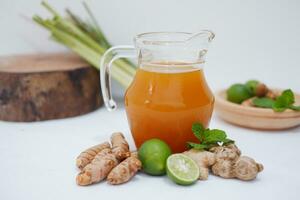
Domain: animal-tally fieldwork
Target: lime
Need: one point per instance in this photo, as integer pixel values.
(251, 85)
(153, 155)
(237, 93)
(182, 169)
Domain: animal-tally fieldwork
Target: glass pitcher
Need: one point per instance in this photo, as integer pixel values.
(169, 92)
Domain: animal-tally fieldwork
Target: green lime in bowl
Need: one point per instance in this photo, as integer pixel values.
(237, 93)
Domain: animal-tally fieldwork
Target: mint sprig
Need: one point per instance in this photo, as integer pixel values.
(263, 102)
(280, 104)
(208, 138)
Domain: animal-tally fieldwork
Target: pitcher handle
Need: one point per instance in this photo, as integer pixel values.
(106, 62)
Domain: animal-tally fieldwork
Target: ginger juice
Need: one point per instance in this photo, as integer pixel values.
(163, 102)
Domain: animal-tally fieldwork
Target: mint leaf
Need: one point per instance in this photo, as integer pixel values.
(288, 96)
(214, 136)
(279, 109)
(296, 108)
(192, 145)
(263, 102)
(284, 101)
(208, 138)
(198, 129)
(228, 141)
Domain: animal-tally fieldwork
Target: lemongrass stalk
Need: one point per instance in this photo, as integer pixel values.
(90, 42)
(81, 42)
(85, 38)
(101, 35)
(90, 55)
(96, 33)
(50, 9)
(125, 80)
(119, 63)
(72, 29)
(87, 53)
(75, 31)
(96, 25)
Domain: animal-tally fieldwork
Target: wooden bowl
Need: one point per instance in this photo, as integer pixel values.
(257, 118)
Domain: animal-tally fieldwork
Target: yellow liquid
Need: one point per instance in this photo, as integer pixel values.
(165, 105)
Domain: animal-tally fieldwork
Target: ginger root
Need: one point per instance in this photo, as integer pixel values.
(204, 160)
(120, 147)
(125, 170)
(230, 164)
(98, 169)
(272, 94)
(89, 154)
(248, 102)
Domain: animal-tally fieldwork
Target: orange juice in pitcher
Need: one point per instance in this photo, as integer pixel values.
(169, 92)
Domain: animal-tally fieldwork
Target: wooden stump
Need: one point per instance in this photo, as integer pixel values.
(47, 86)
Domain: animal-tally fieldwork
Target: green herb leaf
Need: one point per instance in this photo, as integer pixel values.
(296, 108)
(208, 138)
(228, 141)
(192, 145)
(214, 136)
(198, 130)
(284, 101)
(263, 102)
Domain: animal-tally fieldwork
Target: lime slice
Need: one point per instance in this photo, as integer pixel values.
(182, 169)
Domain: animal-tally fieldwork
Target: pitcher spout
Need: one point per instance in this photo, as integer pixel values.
(200, 39)
(204, 35)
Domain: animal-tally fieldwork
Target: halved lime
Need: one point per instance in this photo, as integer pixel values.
(182, 169)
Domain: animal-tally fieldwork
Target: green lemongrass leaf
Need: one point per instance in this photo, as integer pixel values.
(50, 9)
(85, 38)
(89, 29)
(67, 26)
(263, 102)
(96, 26)
(198, 129)
(69, 34)
(214, 136)
(39, 20)
(79, 34)
(90, 55)
(77, 46)
(95, 29)
(93, 19)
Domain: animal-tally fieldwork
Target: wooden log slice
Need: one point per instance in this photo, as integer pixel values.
(47, 86)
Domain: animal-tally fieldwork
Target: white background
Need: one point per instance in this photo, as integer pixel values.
(254, 39)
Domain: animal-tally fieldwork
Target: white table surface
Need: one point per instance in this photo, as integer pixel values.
(254, 39)
(38, 162)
